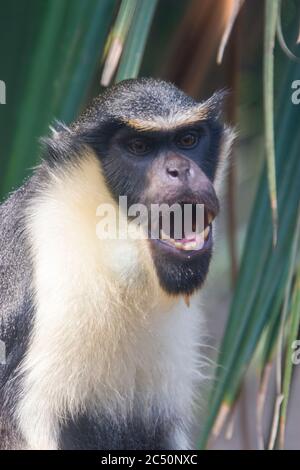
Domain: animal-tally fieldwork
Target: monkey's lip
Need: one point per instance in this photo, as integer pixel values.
(197, 240)
(189, 246)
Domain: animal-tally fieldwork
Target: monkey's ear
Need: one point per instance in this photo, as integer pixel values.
(214, 106)
(61, 145)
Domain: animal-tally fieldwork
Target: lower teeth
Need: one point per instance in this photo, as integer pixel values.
(192, 245)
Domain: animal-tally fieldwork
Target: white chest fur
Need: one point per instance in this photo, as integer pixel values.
(105, 334)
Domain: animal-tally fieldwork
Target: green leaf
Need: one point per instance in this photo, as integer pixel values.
(116, 39)
(271, 17)
(264, 269)
(68, 46)
(134, 49)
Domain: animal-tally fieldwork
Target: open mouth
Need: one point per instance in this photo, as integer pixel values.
(195, 237)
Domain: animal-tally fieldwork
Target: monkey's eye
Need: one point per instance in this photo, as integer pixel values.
(138, 146)
(187, 140)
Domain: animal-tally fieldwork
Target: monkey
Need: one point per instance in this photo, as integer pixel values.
(102, 335)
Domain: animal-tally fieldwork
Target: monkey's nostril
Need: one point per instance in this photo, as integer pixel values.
(173, 172)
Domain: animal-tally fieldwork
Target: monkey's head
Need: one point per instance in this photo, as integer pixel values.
(156, 145)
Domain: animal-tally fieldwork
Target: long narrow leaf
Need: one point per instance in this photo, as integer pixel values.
(293, 334)
(67, 51)
(271, 17)
(135, 45)
(117, 39)
(251, 311)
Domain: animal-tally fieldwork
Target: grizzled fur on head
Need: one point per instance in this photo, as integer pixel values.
(144, 101)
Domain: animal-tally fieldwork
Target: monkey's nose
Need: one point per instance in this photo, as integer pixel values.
(179, 169)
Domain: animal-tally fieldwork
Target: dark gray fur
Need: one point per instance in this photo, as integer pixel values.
(16, 307)
(90, 431)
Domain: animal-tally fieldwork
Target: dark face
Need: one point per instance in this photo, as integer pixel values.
(177, 165)
(165, 168)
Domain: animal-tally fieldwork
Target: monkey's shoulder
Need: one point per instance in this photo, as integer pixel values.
(15, 264)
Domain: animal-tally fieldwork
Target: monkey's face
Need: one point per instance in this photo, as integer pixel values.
(153, 162)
